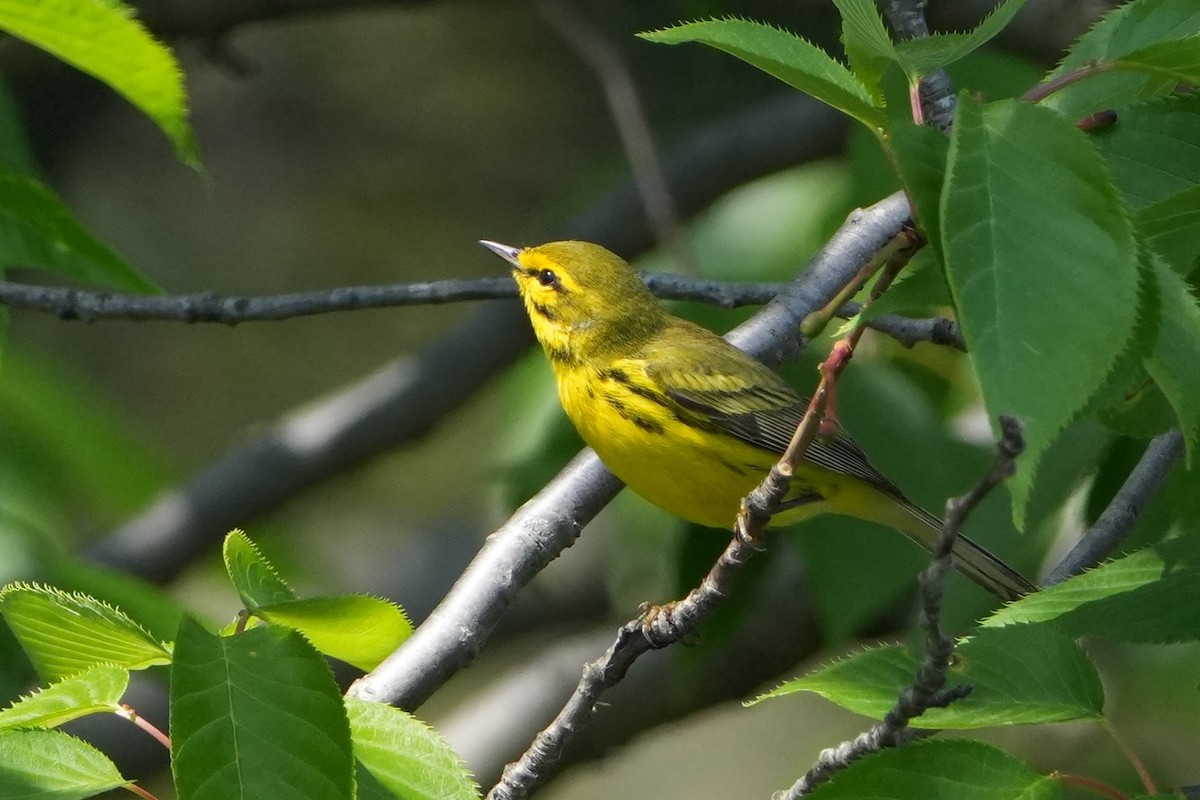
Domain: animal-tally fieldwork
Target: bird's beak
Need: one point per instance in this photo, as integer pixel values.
(509, 254)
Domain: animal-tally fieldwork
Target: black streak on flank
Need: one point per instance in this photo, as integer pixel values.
(561, 355)
(648, 425)
(643, 392)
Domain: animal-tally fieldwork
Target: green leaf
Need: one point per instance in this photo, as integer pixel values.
(939, 769)
(254, 578)
(1129, 403)
(357, 629)
(96, 690)
(924, 55)
(1171, 228)
(1151, 596)
(1177, 59)
(1124, 30)
(786, 56)
(75, 449)
(1035, 674)
(1173, 362)
(102, 38)
(150, 605)
(868, 45)
(37, 230)
(1044, 324)
(256, 715)
(405, 756)
(50, 765)
(1151, 150)
(920, 157)
(64, 634)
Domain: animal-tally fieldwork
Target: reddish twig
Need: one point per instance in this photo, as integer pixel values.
(1099, 787)
(130, 714)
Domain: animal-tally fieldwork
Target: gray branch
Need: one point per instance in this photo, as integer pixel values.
(91, 306)
(907, 18)
(1117, 520)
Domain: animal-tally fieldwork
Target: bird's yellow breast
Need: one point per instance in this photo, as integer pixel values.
(695, 473)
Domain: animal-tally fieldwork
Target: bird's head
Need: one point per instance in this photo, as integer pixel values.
(581, 298)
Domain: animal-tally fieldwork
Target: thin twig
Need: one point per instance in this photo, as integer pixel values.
(1091, 784)
(1117, 520)
(1043, 90)
(93, 306)
(926, 690)
(129, 713)
(621, 95)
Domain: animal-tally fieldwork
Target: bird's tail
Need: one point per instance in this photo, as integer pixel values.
(972, 560)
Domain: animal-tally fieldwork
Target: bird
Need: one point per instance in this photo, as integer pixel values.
(690, 422)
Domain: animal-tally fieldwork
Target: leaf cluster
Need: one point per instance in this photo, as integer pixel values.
(255, 711)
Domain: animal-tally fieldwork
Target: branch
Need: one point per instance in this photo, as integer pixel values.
(926, 690)
(1117, 520)
(538, 532)
(409, 397)
(909, 331)
(935, 94)
(92, 306)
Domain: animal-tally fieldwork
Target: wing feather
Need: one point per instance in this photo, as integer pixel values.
(743, 398)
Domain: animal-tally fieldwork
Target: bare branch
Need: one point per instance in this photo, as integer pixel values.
(406, 399)
(926, 690)
(936, 93)
(1117, 520)
(92, 306)
(909, 331)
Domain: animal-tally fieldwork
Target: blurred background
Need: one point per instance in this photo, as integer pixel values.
(376, 142)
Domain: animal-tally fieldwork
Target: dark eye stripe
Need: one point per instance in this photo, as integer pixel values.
(546, 277)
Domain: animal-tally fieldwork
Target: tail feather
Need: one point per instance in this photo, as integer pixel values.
(970, 559)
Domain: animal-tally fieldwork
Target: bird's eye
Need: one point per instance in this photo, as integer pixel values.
(547, 278)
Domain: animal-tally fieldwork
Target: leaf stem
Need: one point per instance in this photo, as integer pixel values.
(1043, 90)
(130, 714)
(1138, 765)
(139, 791)
(1099, 787)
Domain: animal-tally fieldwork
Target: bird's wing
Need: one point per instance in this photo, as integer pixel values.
(721, 387)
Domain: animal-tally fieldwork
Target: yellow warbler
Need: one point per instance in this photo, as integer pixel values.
(690, 422)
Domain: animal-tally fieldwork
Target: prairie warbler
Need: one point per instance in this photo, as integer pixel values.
(690, 422)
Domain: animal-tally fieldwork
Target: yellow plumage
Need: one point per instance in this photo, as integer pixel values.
(687, 420)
